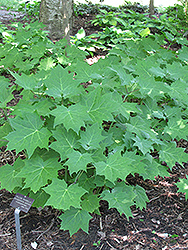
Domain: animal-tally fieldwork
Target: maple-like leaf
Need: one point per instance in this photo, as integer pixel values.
(183, 53)
(121, 197)
(71, 117)
(183, 187)
(29, 105)
(83, 71)
(176, 71)
(141, 127)
(91, 138)
(141, 197)
(8, 177)
(144, 145)
(60, 83)
(63, 196)
(99, 106)
(171, 154)
(85, 181)
(74, 219)
(78, 161)
(126, 108)
(115, 167)
(5, 129)
(66, 141)
(6, 92)
(177, 128)
(29, 134)
(179, 91)
(29, 82)
(40, 198)
(90, 202)
(37, 172)
(152, 88)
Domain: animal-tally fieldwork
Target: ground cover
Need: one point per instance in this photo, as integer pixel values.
(121, 79)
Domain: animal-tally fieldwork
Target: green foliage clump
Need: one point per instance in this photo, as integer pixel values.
(120, 26)
(84, 129)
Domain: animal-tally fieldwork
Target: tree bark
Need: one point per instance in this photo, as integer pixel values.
(151, 8)
(57, 15)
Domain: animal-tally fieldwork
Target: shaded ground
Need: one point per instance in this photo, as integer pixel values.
(163, 225)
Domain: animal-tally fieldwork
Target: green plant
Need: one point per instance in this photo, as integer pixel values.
(83, 129)
(31, 9)
(118, 27)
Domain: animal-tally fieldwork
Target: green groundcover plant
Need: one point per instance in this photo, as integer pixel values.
(83, 129)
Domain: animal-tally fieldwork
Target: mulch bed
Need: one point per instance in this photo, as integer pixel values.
(163, 225)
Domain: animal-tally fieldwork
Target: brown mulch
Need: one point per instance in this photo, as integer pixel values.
(163, 225)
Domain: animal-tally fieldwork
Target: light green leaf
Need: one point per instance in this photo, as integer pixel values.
(183, 187)
(177, 128)
(60, 83)
(29, 82)
(65, 141)
(121, 197)
(115, 167)
(90, 202)
(71, 117)
(171, 154)
(145, 32)
(37, 172)
(29, 134)
(141, 127)
(91, 138)
(141, 197)
(144, 145)
(6, 92)
(99, 107)
(78, 161)
(5, 129)
(8, 176)
(63, 196)
(74, 219)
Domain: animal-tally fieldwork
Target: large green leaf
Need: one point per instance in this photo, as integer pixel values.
(37, 172)
(115, 167)
(78, 161)
(183, 187)
(29, 82)
(74, 219)
(6, 92)
(121, 197)
(144, 145)
(72, 117)
(171, 154)
(177, 128)
(29, 134)
(141, 197)
(142, 127)
(90, 203)
(8, 176)
(5, 129)
(99, 106)
(60, 83)
(63, 196)
(65, 141)
(91, 138)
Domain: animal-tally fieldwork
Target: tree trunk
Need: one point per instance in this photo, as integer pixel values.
(151, 8)
(58, 16)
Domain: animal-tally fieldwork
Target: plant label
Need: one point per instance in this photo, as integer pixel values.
(22, 202)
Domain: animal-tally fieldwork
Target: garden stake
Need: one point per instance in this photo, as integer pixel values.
(18, 234)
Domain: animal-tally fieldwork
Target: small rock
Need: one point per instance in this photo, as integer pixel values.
(34, 245)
